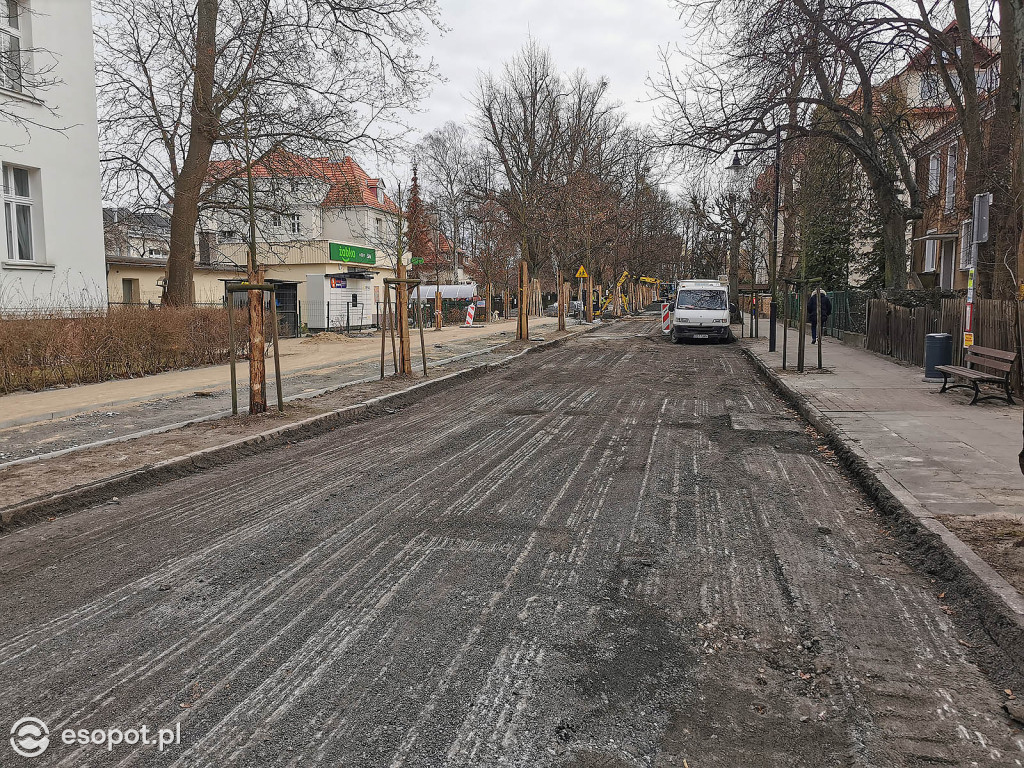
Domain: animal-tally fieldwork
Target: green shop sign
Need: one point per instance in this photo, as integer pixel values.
(353, 254)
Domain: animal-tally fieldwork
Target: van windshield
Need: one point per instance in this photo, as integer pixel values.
(693, 298)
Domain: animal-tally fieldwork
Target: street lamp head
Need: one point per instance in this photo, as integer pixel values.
(736, 173)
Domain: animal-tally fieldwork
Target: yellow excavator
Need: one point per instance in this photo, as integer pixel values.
(625, 296)
(611, 294)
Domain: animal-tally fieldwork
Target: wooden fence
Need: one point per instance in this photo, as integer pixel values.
(899, 331)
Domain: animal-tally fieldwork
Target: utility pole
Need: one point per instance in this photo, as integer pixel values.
(561, 303)
(773, 269)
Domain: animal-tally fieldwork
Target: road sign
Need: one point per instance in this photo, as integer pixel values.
(581, 273)
(982, 202)
(469, 314)
(666, 319)
(968, 340)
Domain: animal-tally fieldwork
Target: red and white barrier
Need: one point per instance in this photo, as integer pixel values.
(666, 319)
(469, 314)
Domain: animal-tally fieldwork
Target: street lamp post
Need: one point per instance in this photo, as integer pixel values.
(736, 178)
(773, 268)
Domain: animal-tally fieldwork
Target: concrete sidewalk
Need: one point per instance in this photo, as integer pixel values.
(297, 356)
(953, 458)
(55, 421)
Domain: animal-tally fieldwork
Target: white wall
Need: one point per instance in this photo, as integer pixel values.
(357, 226)
(67, 212)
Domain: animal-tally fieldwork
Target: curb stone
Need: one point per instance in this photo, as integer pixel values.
(1000, 606)
(88, 494)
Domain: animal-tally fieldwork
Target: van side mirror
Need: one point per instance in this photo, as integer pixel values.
(672, 306)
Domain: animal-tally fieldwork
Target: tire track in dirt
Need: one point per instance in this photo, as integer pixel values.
(621, 553)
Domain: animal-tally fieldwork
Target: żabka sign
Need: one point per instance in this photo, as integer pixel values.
(352, 254)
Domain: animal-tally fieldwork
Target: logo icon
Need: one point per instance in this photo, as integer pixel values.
(30, 737)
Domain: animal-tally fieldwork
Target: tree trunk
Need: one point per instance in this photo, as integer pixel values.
(894, 235)
(189, 185)
(561, 302)
(523, 324)
(1018, 145)
(257, 345)
(402, 299)
(1000, 253)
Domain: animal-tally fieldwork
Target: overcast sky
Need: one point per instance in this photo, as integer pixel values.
(615, 38)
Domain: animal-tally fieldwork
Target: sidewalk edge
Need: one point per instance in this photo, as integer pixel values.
(36, 510)
(1001, 608)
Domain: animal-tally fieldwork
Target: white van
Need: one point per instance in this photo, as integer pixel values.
(700, 310)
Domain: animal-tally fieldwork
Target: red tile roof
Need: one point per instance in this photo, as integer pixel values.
(349, 184)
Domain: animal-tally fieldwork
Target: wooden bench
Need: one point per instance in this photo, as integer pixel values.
(981, 357)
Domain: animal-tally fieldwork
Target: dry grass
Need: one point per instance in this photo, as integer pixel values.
(62, 349)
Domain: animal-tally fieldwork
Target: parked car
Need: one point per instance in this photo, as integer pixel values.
(701, 310)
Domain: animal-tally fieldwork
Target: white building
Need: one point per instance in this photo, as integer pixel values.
(52, 251)
(329, 243)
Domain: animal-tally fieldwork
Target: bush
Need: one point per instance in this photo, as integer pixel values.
(65, 348)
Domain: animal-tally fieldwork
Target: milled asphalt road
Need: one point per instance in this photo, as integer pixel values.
(618, 552)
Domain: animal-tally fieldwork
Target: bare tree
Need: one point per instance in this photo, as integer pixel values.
(444, 155)
(176, 76)
(800, 68)
(517, 115)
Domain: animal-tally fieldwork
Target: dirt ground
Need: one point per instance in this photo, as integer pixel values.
(998, 542)
(25, 482)
(618, 552)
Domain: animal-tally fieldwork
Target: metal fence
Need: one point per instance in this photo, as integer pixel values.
(849, 312)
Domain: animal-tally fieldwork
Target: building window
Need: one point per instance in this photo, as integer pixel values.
(296, 223)
(11, 63)
(931, 87)
(950, 177)
(934, 165)
(988, 79)
(275, 220)
(379, 223)
(355, 299)
(228, 235)
(966, 232)
(18, 212)
(931, 247)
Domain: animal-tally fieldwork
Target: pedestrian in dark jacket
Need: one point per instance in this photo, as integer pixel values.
(819, 300)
